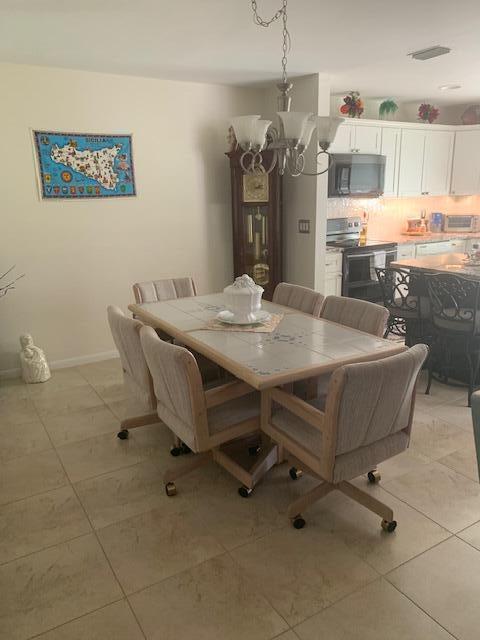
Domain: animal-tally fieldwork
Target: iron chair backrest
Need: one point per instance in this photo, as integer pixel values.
(400, 291)
(454, 303)
(297, 297)
(168, 289)
(126, 336)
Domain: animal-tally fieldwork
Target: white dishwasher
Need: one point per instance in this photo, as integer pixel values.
(432, 248)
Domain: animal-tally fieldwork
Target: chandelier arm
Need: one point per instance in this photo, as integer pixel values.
(273, 162)
(320, 173)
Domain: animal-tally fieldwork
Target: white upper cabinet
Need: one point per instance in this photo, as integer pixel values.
(411, 162)
(437, 162)
(390, 148)
(466, 163)
(367, 139)
(352, 138)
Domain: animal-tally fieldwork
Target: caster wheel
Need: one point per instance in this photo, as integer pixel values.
(176, 451)
(185, 449)
(374, 476)
(389, 527)
(245, 492)
(295, 473)
(254, 451)
(123, 434)
(170, 489)
(298, 522)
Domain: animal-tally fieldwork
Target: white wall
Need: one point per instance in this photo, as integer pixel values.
(81, 256)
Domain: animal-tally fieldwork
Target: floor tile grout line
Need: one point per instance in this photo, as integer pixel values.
(456, 470)
(84, 615)
(424, 611)
(49, 546)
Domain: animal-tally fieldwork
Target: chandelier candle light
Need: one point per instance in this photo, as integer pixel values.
(291, 139)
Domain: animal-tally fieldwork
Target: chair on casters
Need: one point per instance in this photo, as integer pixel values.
(205, 420)
(126, 336)
(455, 315)
(172, 289)
(300, 298)
(367, 419)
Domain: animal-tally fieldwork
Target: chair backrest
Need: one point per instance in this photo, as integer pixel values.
(126, 336)
(454, 302)
(357, 314)
(178, 389)
(168, 289)
(399, 292)
(297, 297)
(370, 401)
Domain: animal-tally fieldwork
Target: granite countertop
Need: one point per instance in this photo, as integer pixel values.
(401, 238)
(442, 262)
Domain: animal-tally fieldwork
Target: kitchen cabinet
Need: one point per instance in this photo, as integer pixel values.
(466, 163)
(437, 162)
(390, 148)
(333, 274)
(357, 139)
(470, 244)
(434, 248)
(406, 250)
(412, 147)
(425, 162)
(458, 246)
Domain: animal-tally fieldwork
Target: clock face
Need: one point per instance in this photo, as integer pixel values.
(255, 188)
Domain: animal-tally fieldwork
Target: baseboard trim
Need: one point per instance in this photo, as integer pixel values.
(63, 364)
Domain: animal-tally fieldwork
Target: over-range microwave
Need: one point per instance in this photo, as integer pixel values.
(356, 175)
(461, 223)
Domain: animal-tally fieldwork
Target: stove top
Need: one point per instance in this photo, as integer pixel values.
(355, 243)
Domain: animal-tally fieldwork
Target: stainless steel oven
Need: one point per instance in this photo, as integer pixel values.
(356, 175)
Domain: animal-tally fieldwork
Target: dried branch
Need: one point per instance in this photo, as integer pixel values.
(4, 289)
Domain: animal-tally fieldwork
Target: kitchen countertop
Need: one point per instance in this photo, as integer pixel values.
(400, 238)
(441, 263)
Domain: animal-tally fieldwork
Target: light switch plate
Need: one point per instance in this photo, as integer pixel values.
(304, 226)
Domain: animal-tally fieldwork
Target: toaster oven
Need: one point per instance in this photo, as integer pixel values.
(461, 223)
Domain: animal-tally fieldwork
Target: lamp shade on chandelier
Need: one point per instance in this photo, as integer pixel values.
(291, 138)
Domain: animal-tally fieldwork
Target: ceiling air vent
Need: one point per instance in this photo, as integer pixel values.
(431, 52)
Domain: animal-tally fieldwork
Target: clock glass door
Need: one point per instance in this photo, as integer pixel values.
(256, 243)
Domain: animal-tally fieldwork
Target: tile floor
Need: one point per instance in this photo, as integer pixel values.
(92, 549)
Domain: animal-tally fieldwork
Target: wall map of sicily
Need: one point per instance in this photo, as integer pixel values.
(84, 165)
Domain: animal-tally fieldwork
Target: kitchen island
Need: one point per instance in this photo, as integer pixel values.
(440, 263)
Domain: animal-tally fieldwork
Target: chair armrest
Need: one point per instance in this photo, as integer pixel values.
(300, 408)
(227, 392)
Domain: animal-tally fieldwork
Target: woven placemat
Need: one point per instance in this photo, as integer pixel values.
(260, 327)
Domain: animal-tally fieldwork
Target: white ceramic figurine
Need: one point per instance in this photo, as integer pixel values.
(34, 363)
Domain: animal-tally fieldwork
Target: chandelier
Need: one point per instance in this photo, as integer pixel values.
(290, 140)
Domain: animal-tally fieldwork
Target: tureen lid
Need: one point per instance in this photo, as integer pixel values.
(244, 285)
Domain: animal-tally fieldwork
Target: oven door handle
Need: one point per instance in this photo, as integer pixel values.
(358, 256)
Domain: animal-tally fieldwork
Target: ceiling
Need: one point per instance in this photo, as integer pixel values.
(358, 44)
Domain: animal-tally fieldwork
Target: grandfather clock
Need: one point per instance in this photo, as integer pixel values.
(257, 223)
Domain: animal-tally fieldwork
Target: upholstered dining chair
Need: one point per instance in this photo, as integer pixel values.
(167, 289)
(171, 289)
(367, 419)
(126, 336)
(297, 297)
(356, 314)
(204, 420)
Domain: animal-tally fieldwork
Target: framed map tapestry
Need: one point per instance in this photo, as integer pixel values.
(84, 165)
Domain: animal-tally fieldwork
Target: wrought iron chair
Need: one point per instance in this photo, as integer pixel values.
(401, 296)
(454, 302)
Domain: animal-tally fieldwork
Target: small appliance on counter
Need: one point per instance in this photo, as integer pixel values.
(436, 222)
(462, 223)
(418, 226)
(359, 258)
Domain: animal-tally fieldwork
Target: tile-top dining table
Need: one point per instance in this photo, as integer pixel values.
(300, 347)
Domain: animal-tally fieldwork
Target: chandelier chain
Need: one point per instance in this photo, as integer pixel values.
(261, 22)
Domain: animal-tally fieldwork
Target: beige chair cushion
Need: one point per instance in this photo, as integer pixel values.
(357, 314)
(126, 336)
(226, 415)
(377, 398)
(297, 297)
(168, 289)
(167, 364)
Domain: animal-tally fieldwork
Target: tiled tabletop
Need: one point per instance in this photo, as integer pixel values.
(300, 347)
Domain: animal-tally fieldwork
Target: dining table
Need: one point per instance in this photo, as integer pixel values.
(300, 346)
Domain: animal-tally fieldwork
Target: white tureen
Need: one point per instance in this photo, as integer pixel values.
(244, 299)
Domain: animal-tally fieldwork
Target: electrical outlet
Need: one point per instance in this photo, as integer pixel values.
(304, 226)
